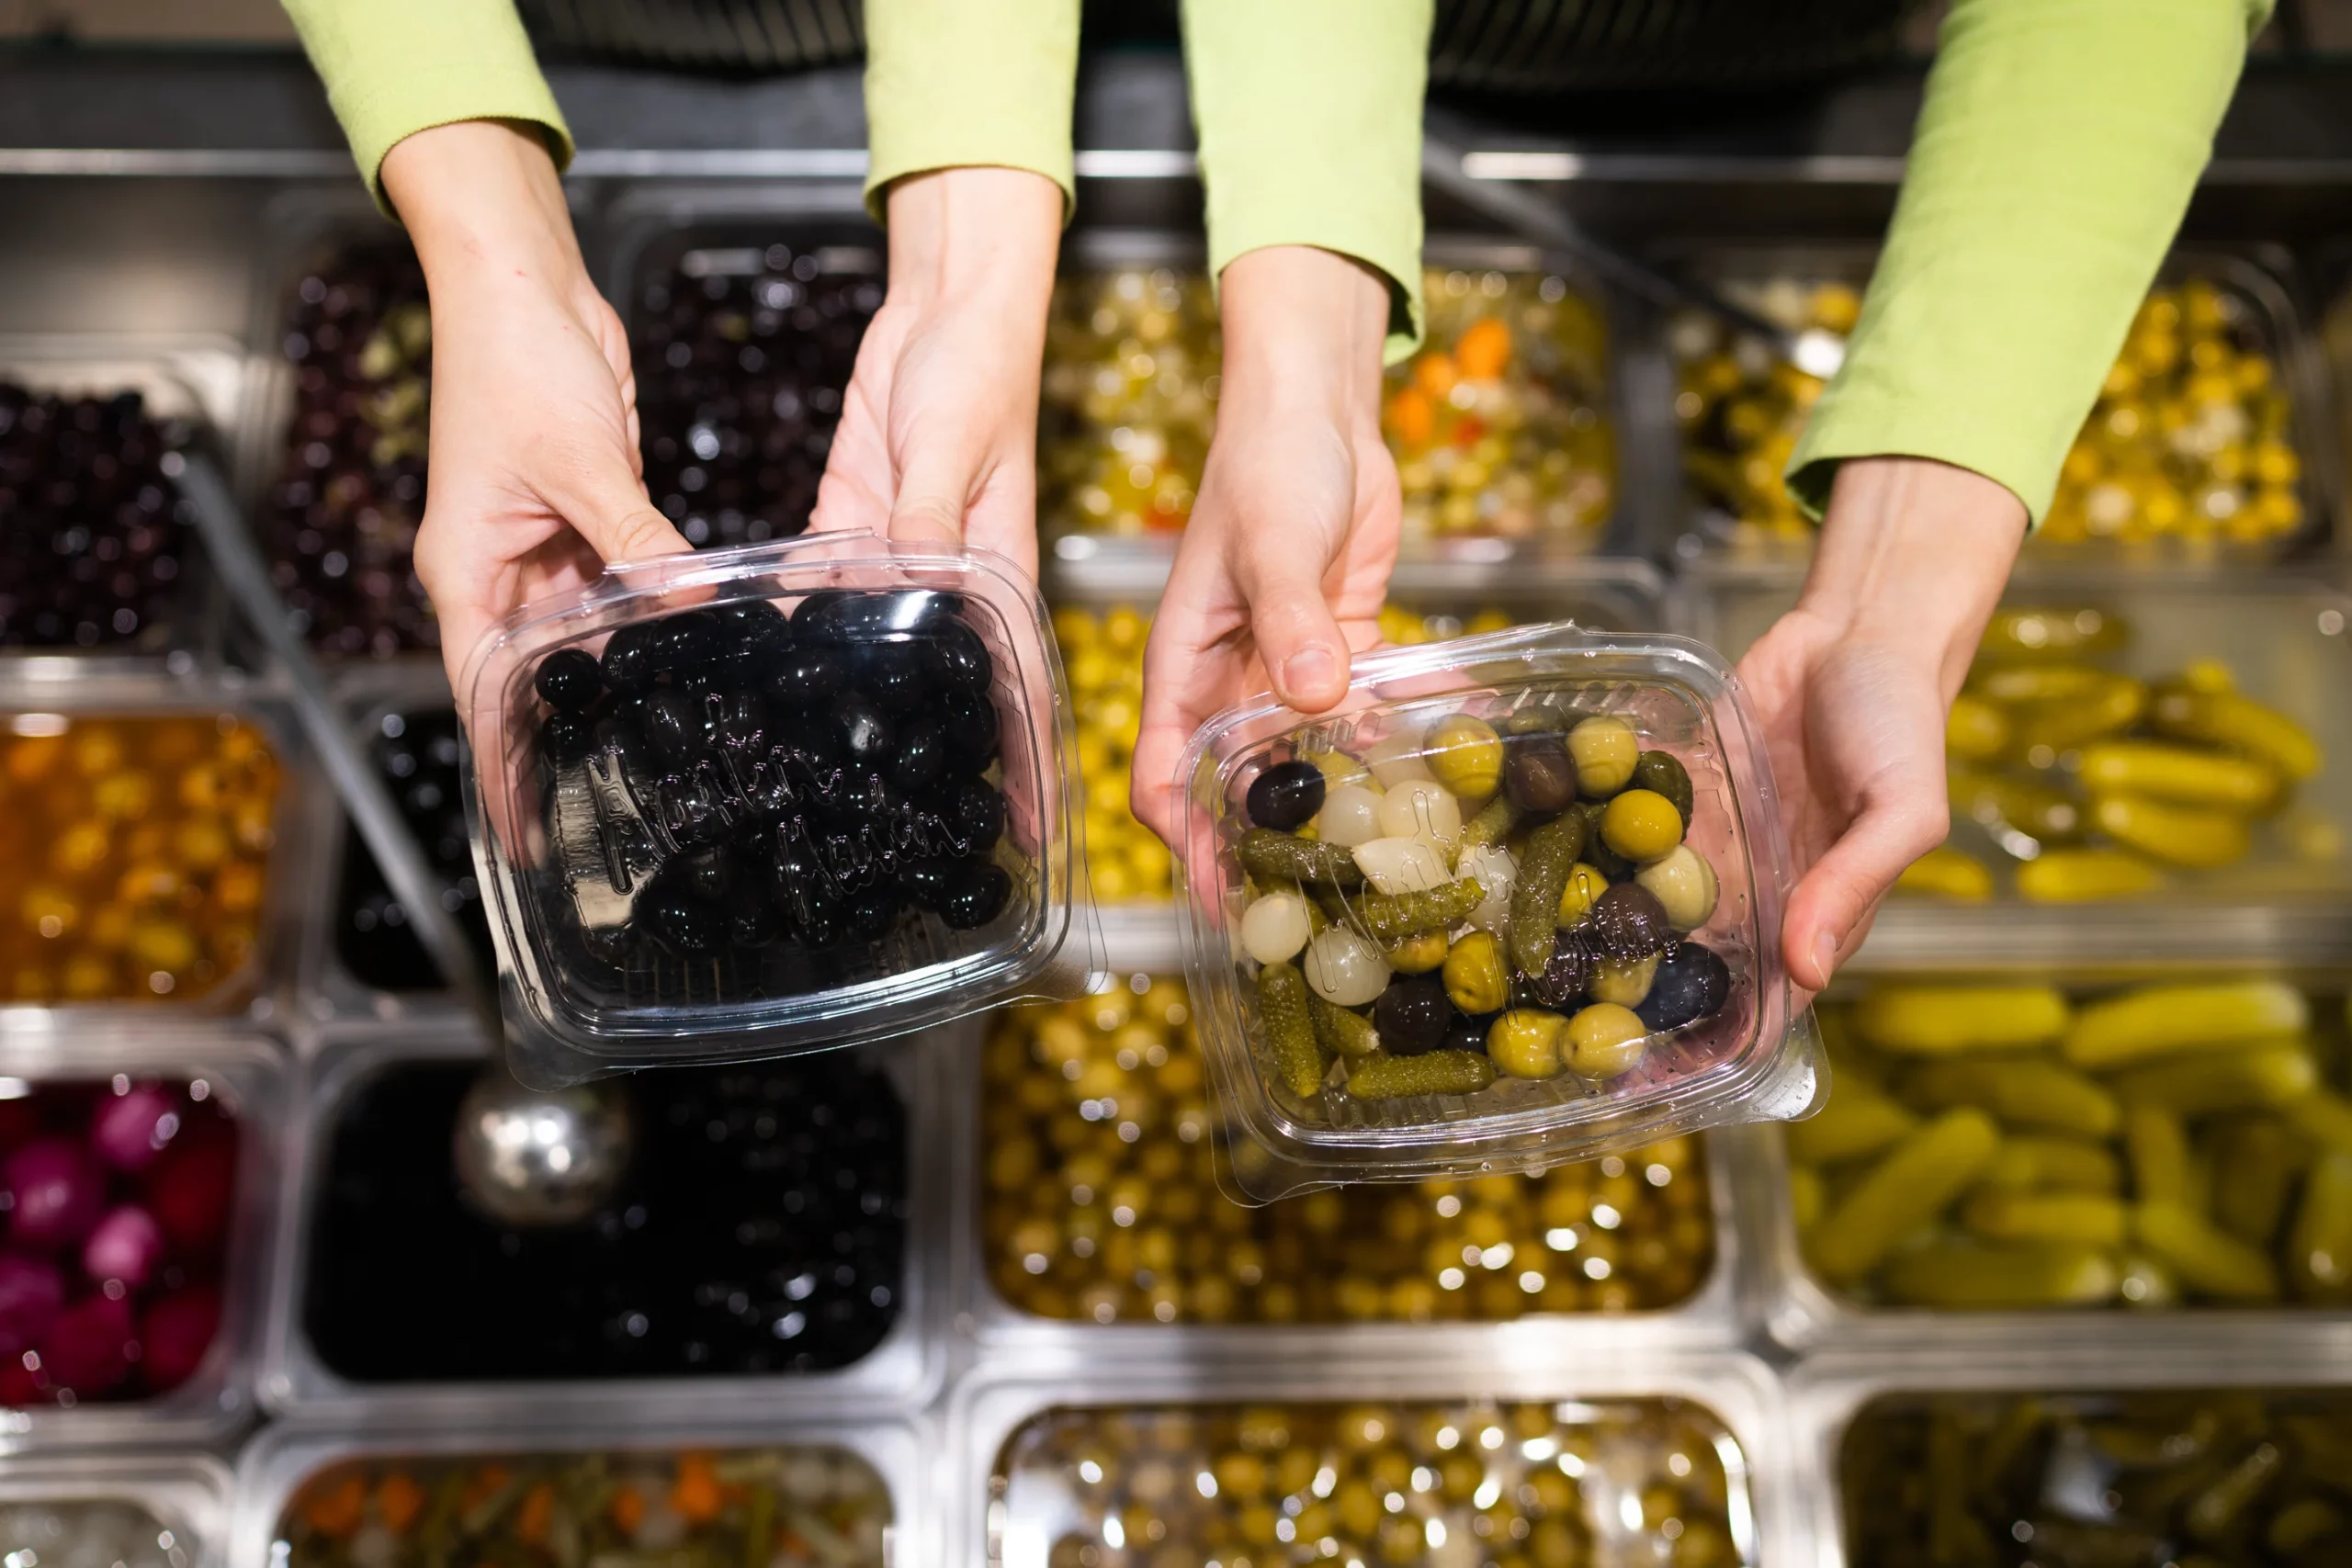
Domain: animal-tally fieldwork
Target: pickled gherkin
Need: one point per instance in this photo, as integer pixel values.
(2174, 835)
(1392, 917)
(2238, 1478)
(2158, 1021)
(2032, 1162)
(1382, 1077)
(2178, 776)
(2242, 1080)
(1552, 852)
(2084, 1218)
(2039, 634)
(1961, 1276)
(1339, 1031)
(2238, 723)
(2022, 1094)
(1298, 1058)
(2205, 1258)
(1270, 856)
(2083, 877)
(1919, 1177)
(1933, 1021)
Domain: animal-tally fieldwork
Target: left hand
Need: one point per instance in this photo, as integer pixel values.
(1853, 686)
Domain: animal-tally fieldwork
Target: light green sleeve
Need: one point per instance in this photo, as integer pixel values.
(1309, 118)
(396, 67)
(2054, 159)
(950, 83)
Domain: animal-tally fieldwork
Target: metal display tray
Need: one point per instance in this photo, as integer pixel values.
(989, 1407)
(197, 379)
(899, 1374)
(188, 1494)
(263, 991)
(903, 1451)
(217, 1399)
(2289, 637)
(2265, 276)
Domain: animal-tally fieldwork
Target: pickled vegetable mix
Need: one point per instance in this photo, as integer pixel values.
(2006, 1147)
(2188, 1477)
(761, 1508)
(1415, 1485)
(2089, 783)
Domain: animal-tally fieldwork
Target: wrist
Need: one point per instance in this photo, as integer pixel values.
(1304, 331)
(980, 237)
(1913, 554)
(483, 191)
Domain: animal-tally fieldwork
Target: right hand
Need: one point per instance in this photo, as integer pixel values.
(938, 438)
(1284, 565)
(534, 481)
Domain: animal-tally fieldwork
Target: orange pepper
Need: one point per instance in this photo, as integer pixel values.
(1435, 374)
(398, 1501)
(1484, 350)
(1468, 431)
(627, 1510)
(1411, 416)
(335, 1509)
(695, 1497)
(537, 1511)
(486, 1482)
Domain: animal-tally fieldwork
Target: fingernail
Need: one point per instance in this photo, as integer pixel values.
(1825, 953)
(1310, 669)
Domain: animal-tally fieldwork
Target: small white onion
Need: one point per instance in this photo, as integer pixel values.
(1345, 968)
(1422, 810)
(1494, 871)
(1274, 929)
(1351, 815)
(1402, 865)
(1398, 759)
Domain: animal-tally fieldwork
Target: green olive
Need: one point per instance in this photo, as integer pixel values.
(1664, 772)
(1475, 979)
(1466, 755)
(1604, 1041)
(1641, 825)
(1606, 751)
(1624, 981)
(1417, 954)
(1525, 1043)
(1585, 884)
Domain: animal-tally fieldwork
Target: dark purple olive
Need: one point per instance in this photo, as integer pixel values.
(976, 814)
(682, 641)
(865, 731)
(1693, 982)
(870, 915)
(809, 676)
(1285, 796)
(1412, 1015)
(1539, 777)
(959, 659)
(673, 723)
(709, 873)
(970, 723)
(976, 893)
(921, 761)
(628, 663)
(570, 679)
(753, 918)
(1565, 978)
(1628, 922)
(1468, 1033)
(738, 720)
(685, 926)
(928, 881)
(567, 737)
(819, 925)
(897, 676)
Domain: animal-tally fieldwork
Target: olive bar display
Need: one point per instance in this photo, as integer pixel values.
(416, 752)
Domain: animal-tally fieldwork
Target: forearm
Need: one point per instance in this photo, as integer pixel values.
(954, 83)
(977, 239)
(2054, 155)
(392, 70)
(1309, 119)
(1303, 330)
(483, 204)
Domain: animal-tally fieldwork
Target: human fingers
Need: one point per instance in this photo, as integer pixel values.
(1903, 816)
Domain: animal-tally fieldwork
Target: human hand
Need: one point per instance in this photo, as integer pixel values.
(938, 437)
(1853, 686)
(534, 479)
(1284, 564)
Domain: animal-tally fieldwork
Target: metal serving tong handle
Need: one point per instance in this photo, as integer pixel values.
(1814, 351)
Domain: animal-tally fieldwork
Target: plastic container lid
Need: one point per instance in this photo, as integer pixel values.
(1541, 763)
(754, 801)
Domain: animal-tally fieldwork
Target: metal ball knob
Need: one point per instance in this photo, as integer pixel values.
(528, 1158)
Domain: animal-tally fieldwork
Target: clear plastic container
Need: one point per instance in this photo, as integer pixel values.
(1381, 1019)
(833, 803)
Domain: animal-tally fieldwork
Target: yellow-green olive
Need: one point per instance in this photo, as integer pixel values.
(1641, 825)
(1604, 1041)
(1525, 1043)
(1585, 884)
(1685, 884)
(1625, 981)
(1606, 751)
(1475, 980)
(1466, 755)
(1417, 954)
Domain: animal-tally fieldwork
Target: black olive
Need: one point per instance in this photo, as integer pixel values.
(971, 725)
(928, 880)
(685, 925)
(738, 720)
(976, 814)
(673, 723)
(739, 613)
(752, 644)
(870, 915)
(863, 794)
(570, 679)
(684, 641)
(921, 761)
(809, 676)
(976, 895)
(753, 918)
(1468, 1033)
(818, 924)
(865, 730)
(1565, 978)
(567, 737)
(863, 618)
(1285, 796)
(1628, 922)
(1539, 775)
(627, 663)
(1412, 1015)
(959, 659)
(1693, 982)
(895, 676)
(709, 874)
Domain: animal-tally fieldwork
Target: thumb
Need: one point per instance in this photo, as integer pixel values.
(933, 492)
(606, 506)
(1829, 913)
(1297, 638)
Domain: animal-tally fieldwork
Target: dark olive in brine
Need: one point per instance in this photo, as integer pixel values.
(1565, 978)
(685, 925)
(570, 679)
(865, 730)
(753, 918)
(897, 676)
(1693, 982)
(959, 659)
(1663, 772)
(818, 924)
(976, 814)
(809, 675)
(1539, 777)
(628, 663)
(672, 720)
(1285, 796)
(684, 641)
(709, 873)
(1468, 1033)
(977, 894)
(970, 722)
(1628, 922)
(927, 881)
(738, 720)
(1412, 1015)
(567, 737)
(922, 759)
(870, 915)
